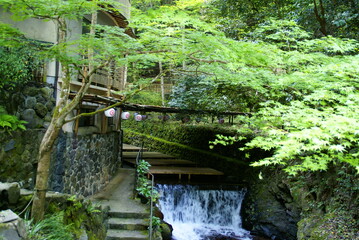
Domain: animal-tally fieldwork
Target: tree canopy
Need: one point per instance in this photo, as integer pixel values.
(302, 90)
(277, 61)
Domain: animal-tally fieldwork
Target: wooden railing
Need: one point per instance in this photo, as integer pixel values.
(103, 78)
(155, 87)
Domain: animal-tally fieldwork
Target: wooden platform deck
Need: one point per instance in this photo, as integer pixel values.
(164, 164)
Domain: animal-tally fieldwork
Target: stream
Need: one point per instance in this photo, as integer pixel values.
(197, 214)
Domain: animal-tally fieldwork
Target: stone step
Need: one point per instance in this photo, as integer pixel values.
(121, 214)
(126, 235)
(127, 224)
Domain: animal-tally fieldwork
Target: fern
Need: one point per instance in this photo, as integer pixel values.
(10, 123)
(51, 228)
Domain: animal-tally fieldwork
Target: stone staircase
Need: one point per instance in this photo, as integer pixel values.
(127, 225)
(128, 218)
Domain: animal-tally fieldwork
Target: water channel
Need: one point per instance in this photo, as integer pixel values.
(202, 214)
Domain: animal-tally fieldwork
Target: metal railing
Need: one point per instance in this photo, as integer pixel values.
(151, 205)
(138, 159)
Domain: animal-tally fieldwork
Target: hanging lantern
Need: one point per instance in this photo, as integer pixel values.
(221, 121)
(125, 115)
(110, 112)
(138, 117)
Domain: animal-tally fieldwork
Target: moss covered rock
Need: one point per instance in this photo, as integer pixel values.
(166, 231)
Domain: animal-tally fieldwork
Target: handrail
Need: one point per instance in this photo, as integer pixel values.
(151, 204)
(138, 158)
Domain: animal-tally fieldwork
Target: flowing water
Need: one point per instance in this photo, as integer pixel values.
(202, 214)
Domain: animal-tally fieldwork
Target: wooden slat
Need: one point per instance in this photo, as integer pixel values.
(150, 155)
(131, 148)
(184, 170)
(161, 162)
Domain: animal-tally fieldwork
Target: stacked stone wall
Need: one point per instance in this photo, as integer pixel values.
(84, 164)
(18, 156)
(33, 104)
(80, 164)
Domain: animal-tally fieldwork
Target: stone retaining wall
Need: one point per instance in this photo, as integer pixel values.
(18, 156)
(80, 164)
(84, 164)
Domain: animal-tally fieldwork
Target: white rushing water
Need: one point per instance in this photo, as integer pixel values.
(202, 214)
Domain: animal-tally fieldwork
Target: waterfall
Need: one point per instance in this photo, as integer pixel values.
(202, 214)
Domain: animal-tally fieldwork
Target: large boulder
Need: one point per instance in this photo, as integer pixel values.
(270, 211)
(9, 194)
(29, 115)
(11, 226)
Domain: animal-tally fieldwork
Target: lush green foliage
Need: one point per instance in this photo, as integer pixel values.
(156, 222)
(20, 60)
(303, 92)
(324, 17)
(82, 214)
(197, 93)
(10, 122)
(51, 228)
(283, 33)
(143, 187)
(321, 127)
(18, 66)
(147, 98)
(68, 219)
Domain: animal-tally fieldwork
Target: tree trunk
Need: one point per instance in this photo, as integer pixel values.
(162, 84)
(43, 168)
(320, 16)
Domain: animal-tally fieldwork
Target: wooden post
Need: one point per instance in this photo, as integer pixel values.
(104, 124)
(76, 130)
(162, 84)
(119, 122)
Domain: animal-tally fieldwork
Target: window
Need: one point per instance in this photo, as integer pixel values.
(87, 121)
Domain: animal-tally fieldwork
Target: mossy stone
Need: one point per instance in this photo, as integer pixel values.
(166, 231)
(49, 105)
(41, 110)
(30, 102)
(31, 91)
(46, 92)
